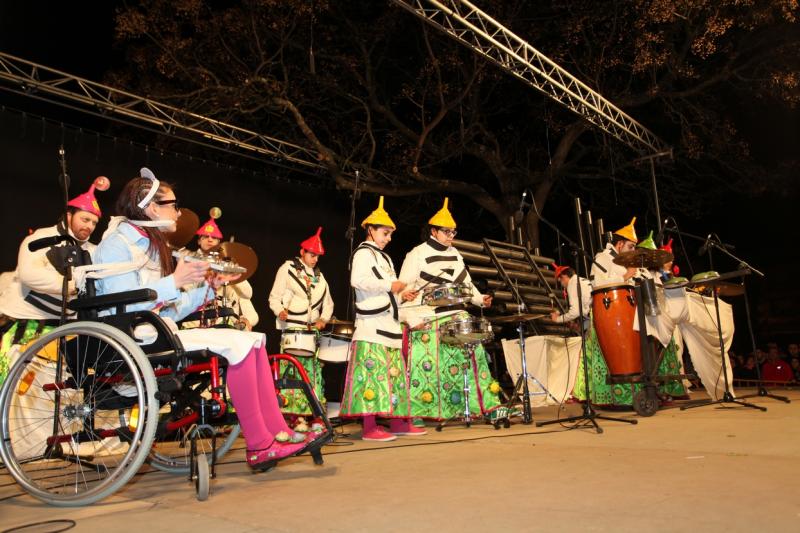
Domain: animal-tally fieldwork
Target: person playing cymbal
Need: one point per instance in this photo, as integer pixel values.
(622, 241)
(236, 296)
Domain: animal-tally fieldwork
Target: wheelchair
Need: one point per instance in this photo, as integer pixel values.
(85, 405)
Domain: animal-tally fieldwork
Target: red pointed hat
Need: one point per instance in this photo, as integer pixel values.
(87, 201)
(559, 269)
(667, 247)
(314, 244)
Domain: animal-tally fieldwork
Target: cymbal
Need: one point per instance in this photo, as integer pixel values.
(725, 288)
(513, 319)
(644, 258)
(185, 228)
(242, 255)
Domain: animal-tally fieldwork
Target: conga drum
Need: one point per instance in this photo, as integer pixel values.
(614, 308)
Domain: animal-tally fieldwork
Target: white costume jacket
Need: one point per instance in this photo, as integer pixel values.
(614, 273)
(429, 265)
(303, 292)
(34, 291)
(377, 317)
(572, 298)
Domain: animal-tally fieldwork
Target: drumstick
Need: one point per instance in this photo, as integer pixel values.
(430, 281)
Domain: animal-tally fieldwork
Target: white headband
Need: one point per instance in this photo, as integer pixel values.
(147, 173)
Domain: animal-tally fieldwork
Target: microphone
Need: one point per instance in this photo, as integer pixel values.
(519, 215)
(661, 232)
(703, 249)
(46, 242)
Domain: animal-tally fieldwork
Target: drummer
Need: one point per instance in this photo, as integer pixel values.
(376, 382)
(237, 296)
(302, 303)
(435, 368)
(622, 241)
(569, 282)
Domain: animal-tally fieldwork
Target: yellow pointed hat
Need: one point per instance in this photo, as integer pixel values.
(379, 217)
(628, 232)
(443, 218)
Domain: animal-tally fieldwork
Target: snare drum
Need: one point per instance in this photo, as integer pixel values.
(614, 307)
(466, 331)
(447, 294)
(334, 348)
(299, 342)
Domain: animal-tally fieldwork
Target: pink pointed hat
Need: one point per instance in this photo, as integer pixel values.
(314, 243)
(210, 229)
(87, 201)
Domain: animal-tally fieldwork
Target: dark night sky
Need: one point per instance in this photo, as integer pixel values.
(77, 38)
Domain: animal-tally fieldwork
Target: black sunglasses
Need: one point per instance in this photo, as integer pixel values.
(168, 202)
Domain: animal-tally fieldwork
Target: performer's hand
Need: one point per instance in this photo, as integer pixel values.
(630, 273)
(554, 316)
(218, 280)
(487, 300)
(398, 286)
(320, 324)
(283, 315)
(246, 323)
(188, 273)
(409, 295)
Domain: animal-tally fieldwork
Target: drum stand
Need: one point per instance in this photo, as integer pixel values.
(522, 384)
(466, 415)
(589, 414)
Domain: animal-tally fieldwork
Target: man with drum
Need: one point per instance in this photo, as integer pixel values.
(31, 301)
(236, 296)
(611, 274)
(435, 368)
(622, 241)
(302, 303)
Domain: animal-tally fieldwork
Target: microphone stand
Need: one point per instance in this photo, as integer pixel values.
(350, 235)
(589, 413)
(743, 265)
(727, 396)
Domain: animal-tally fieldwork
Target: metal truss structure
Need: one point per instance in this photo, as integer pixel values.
(57, 87)
(476, 30)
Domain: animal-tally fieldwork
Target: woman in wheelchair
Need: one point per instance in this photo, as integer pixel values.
(136, 243)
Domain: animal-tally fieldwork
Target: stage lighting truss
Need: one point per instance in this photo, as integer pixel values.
(473, 28)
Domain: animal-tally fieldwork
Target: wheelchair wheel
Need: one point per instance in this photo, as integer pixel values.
(174, 456)
(78, 414)
(202, 482)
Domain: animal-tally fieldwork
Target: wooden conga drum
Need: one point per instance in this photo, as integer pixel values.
(613, 308)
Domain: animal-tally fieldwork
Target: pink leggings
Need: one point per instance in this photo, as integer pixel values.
(253, 394)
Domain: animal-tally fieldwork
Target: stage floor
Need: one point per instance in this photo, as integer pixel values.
(705, 469)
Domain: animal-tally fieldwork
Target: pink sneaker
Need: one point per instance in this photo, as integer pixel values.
(405, 428)
(378, 435)
(266, 458)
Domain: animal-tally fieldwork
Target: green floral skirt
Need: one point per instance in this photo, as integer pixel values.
(436, 382)
(620, 394)
(375, 382)
(31, 333)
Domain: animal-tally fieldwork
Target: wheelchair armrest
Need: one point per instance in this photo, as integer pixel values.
(166, 341)
(221, 312)
(117, 299)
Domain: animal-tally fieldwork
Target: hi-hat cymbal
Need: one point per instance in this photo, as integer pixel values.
(643, 258)
(513, 319)
(242, 255)
(185, 228)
